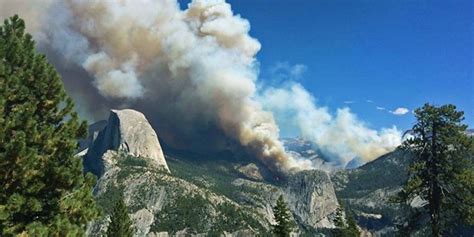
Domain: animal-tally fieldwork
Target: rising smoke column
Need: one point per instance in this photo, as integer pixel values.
(342, 136)
(199, 61)
(190, 70)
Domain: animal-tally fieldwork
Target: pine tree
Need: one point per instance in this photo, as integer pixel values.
(344, 228)
(120, 223)
(441, 173)
(339, 223)
(352, 228)
(44, 191)
(284, 221)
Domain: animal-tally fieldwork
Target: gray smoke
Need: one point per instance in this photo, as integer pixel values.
(193, 72)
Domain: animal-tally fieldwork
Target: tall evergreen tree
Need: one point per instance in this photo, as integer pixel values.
(339, 222)
(345, 227)
(441, 173)
(352, 228)
(284, 221)
(44, 191)
(120, 223)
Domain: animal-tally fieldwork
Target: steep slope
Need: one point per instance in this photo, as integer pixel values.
(159, 202)
(367, 190)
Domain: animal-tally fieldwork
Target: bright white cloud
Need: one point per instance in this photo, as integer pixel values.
(400, 111)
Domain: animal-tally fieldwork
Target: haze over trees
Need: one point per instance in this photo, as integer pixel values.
(442, 174)
(44, 191)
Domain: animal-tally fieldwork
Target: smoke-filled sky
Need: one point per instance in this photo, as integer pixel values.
(392, 53)
(194, 70)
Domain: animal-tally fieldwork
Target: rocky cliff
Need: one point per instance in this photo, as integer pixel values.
(126, 131)
(191, 194)
(367, 191)
(314, 200)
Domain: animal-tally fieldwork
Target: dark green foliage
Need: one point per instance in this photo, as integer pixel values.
(346, 228)
(128, 160)
(107, 200)
(441, 173)
(411, 222)
(120, 223)
(189, 212)
(194, 212)
(44, 191)
(200, 172)
(339, 222)
(231, 218)
(352, 225)
(284, 221)
(387, 173)
(130, 165)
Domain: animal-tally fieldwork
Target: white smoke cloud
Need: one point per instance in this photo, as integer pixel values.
(284, 71)
(342, 136)
(191, 71)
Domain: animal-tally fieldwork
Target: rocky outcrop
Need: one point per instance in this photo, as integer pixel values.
(312, 198)
(162, 203)
(127, 131)
(215, 197)
(159, 202)
(251, 171)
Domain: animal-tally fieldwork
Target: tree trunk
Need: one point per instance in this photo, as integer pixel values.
(435, 192)
(434, 211)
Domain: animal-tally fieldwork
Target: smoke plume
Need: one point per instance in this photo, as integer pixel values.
(191, 71)
(342, 136)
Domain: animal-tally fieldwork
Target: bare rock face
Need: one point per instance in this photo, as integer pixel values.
(312, 198)
(127, 131)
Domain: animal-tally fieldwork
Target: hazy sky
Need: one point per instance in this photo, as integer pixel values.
(372, 56)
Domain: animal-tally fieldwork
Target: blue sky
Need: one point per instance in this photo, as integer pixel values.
(399, 53)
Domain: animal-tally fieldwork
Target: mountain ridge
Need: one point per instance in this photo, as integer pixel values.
(233, 194)
(228, 200)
